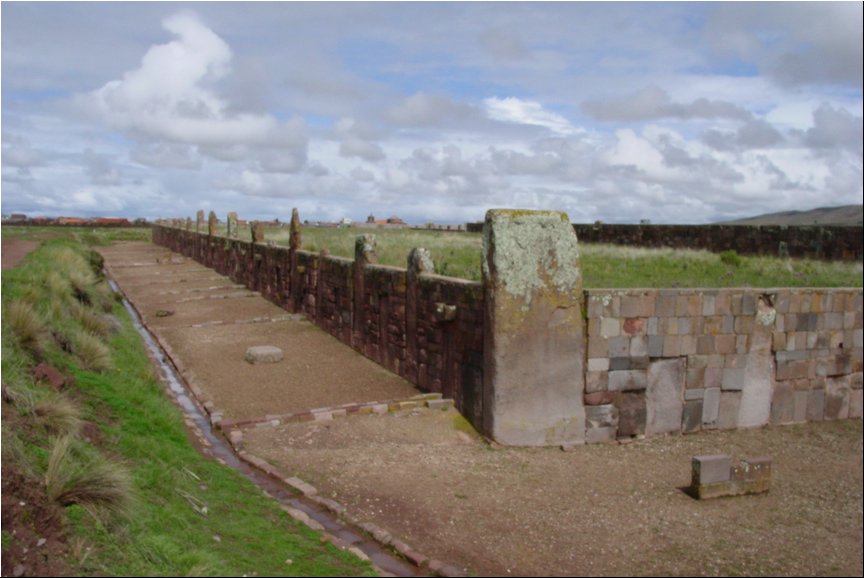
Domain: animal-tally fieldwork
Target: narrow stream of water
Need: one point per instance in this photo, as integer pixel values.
(222, 451)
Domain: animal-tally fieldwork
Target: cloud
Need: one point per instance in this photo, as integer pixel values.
(421, 109)
(654, 103)
(19, 152)
(518, 111)
(171, 98)
(801, 44)
(835, 128)
(358, 140)
(505, 45)
(166, 156)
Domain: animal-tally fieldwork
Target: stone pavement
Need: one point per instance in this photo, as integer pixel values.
(206, 323)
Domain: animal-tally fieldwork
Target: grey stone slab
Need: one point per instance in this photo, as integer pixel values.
(628, 380)
(655, 346)
(691, 421)
(664, 396)
(801, 405)
(694, 394)
(836, 398)
(816, 405)
(598, 416)
(856, 399)
(711, 407)
(730, 406)
(733, 379)
(711, 469)
(601, 435)
(631, 414)
(783, 404)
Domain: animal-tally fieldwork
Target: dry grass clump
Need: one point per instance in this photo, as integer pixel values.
(25, 323)
(59, 415)
(91, 351)
(91, 481)
(91, 320)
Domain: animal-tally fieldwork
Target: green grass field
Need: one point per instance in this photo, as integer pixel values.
(137, 498)
(606, 266)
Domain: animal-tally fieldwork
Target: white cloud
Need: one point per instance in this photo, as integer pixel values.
(518, 111)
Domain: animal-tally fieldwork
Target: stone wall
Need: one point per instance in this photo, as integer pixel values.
(817, 242)
(532, 359)
(424, 327)
(662, 361)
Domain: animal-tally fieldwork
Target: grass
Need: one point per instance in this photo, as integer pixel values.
(607, 266)
(140, 500)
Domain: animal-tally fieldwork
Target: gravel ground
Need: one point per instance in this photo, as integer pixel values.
(597, 510)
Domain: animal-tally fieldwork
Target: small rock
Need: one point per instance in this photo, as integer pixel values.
(40, 542)
(18, 571)
(263, 354)
(164, 313)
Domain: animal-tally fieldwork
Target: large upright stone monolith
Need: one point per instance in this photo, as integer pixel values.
(533, 375)
(231, 233)
(212, 224)
(199, 221)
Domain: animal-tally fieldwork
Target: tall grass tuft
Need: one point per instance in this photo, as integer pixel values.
(26, 324)
(91, 481)
(91, 351)
(90, 320)
(59, 415)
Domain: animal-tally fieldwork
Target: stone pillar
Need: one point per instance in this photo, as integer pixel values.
(295, 242)
(257, 232)
(199, 221)
(189, 224)
(533, 368)
(232, 225)
(212, 223)
(419, 262)
(364, 253)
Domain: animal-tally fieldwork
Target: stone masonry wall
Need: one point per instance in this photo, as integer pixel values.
(652, 361)
(662, 361)
(818, 242)
(443, 350)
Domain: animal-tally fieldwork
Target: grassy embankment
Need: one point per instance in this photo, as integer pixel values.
(459, 255)
(111, 451)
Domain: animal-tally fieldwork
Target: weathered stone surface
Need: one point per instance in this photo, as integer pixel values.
(199, 221)
(599, 398)
(533, 362)
(597, 416)
(212, 223)
(631, 414)
(664, 403)
(232, 225)
(257, 232)
(783, 405)
(263, 354)
(755, 408)
(711, 407)
(816, 405)
(711, 469)
(836, 398)
(856, 403)
(691, 420)
(730, 405)
(629, 380)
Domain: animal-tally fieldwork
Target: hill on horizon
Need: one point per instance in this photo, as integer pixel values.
(846, 216)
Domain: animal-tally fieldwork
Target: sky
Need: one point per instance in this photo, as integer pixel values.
(433, 112)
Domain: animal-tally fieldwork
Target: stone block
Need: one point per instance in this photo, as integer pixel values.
(733, 379)
(692, 394)
(691, 421)
(711, 407)
(639, 346)
(263, 354)
(783, 403)
(856, 399)
(713, 377)
(730, 406)
(619, 363)
(610, 327)
(655, 345)
(619, 347)
(598, 364)
(634, 326)
(629, 380)
(711, 469)
(599, 435)
(836, 398)
(801, 405)
(664, 396)
(816, 405)
(596, 381)
(533, 383)
(631, 414)
(599, 416)
(598, 398)
(724, 344)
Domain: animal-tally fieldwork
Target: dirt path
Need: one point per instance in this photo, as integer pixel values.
(428, 479)
(14, 250)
